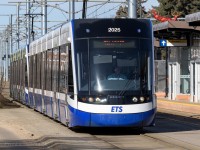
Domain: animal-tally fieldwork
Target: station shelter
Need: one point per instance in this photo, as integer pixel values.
(177, 53)
(194, 21)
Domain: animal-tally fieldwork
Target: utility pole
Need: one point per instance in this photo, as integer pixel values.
(4, 58)
(44, 17)
(132, 9)
(28, 31)
(73, 10)
(6, 55)
(10, 45)
(11, 48)
(1, 56)
(70, 6)
(18, 6)
(84, 9)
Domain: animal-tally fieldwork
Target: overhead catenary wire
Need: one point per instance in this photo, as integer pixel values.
(98, 8)
(59, 7)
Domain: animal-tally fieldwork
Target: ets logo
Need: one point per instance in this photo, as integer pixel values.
(116, 109)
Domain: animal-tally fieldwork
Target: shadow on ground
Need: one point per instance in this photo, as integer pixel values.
(6, 104)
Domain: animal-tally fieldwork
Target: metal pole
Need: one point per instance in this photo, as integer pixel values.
(70, 13)
(6, 59)
(28, 8)
(10, 45)
(167, 77)
(132, 8)
(1, 55)
(11, 52)
(44, 16)
(73, 10)
(42, 20)
(32, 31)
(18, 26)
(4, 55)
(11, 48)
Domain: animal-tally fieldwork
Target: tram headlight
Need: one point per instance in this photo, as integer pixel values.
(142, 99)
(84, 99)
(135, 99)
(91, 99)
(98, 99)
(101, 100)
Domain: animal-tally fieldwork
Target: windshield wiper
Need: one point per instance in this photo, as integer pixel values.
(128, 83)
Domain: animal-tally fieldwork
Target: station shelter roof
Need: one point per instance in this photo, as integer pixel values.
(173, 30)
(193, 19)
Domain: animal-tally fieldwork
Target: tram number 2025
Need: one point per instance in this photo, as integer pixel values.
(114, 30)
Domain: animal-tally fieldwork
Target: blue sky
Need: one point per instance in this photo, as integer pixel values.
(12, 9)
(55, 16)
(150, 3)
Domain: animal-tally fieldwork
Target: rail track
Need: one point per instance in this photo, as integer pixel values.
(174, 130)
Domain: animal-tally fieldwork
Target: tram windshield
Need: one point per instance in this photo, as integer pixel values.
(112, 65)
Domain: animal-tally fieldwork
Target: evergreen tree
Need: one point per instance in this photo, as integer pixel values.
(123, 10)
(184, 7)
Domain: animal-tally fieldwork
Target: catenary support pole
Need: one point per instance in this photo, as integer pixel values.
(28, 8)
(44, 17)
(18, 6)
(132, 9)
(73, 10)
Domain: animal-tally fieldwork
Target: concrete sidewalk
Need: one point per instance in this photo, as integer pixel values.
(187, 107)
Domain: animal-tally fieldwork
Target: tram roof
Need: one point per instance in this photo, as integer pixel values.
(193, 19)
(173, 29)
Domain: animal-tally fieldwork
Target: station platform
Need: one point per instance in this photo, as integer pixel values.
(181, 106)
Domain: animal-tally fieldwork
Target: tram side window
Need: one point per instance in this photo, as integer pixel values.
(23, 72)
(35, 71)
(44, 63)
(81, 47)
(13, 74)
(16, 73)
(26, 73)
(146, 52)
(31, 71)
(17, 62)
(38, 71)
(49, 71)
(20, 71)
(16, 81)
(11, 79)
(70, 73)
(55, 64)
(62, 69)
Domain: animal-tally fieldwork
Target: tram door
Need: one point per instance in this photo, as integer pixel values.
(174, 79)
(195, 81)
